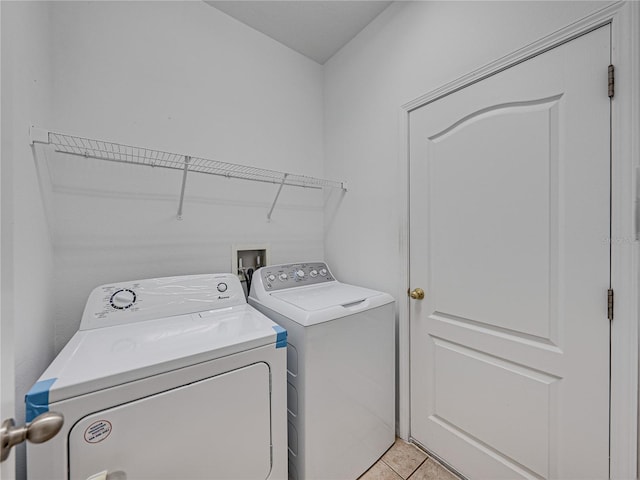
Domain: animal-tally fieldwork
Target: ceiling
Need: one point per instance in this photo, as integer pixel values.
(316, 29)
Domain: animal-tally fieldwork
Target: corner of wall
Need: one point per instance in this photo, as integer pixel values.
(26, 248)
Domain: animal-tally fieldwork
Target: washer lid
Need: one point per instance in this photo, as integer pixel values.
(101, 358)
(320, 297)
(321, 303)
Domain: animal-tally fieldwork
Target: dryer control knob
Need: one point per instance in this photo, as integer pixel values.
(300, 273)
(323, 271)
(222, 287)
(283, 276)
(313, 273)
(123, 299)
(271, 278)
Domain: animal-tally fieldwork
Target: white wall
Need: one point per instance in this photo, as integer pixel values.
(181, 77)
(409, 50)
(26, 255)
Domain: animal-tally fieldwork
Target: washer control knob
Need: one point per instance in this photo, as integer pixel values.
(222, 287)
(122, 299)
(323, 271)
(271, 278)
(300, 273)
(283, 277)
(313, 273)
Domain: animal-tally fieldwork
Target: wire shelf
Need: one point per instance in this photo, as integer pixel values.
(117, 152)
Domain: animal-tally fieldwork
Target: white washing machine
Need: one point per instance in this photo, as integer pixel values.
(167, 378)
(341, 368)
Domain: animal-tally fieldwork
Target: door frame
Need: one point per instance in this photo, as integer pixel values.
(624, 18)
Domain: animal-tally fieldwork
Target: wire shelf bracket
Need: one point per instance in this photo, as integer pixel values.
(117, 152)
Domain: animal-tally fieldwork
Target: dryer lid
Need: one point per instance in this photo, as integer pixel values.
(320, 297)
(101, 358)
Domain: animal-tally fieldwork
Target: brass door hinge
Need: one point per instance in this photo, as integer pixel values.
(610, 304)
(612, 81)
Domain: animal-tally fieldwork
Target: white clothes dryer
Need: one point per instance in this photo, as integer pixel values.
(341, 368)
(167, 378)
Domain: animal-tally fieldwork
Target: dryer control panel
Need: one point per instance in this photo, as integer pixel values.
(278, 277)
(140, 300)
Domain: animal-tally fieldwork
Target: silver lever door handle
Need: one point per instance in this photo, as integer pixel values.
(44, 427)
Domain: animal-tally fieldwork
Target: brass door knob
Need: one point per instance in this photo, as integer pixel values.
(417, 294)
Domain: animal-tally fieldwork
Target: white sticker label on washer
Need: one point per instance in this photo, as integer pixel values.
(97, 431)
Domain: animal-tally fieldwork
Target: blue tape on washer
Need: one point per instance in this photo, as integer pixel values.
(281, 337)
(37, 399)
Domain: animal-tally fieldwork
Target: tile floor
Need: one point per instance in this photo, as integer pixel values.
(404, 461)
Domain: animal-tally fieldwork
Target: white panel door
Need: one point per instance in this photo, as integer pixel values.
(510, 215)
(7, 373)
(217, 428)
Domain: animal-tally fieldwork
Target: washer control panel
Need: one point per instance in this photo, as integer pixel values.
(153, 298)
(123, 298)
(278, 277)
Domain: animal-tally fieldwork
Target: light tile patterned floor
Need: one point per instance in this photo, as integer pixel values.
(404, 461)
